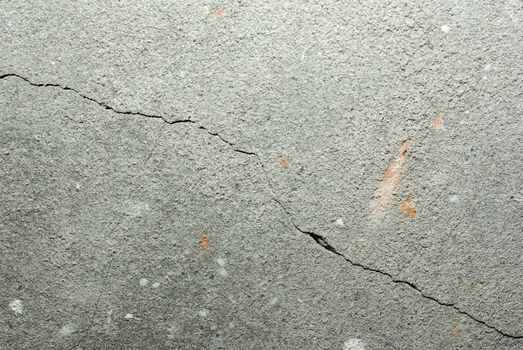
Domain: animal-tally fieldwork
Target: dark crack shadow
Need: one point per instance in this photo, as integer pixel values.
(320, 240)
(323, 242)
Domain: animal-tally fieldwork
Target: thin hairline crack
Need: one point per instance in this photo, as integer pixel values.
(320, 240)
(133, 113)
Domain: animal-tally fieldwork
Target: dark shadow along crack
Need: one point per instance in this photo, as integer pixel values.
(323, 242)
(320, 240)
(118, 111)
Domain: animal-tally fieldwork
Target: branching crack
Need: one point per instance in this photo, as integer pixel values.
(320, 240)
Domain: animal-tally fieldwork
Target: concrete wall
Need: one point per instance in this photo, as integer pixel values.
(261, 175)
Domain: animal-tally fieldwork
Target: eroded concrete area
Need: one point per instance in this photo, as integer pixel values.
(261, 175)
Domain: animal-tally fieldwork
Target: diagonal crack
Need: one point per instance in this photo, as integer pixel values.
(133, 113)
(316, 237)
(323, 242)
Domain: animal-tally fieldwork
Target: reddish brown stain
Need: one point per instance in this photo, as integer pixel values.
(457, 330)
(391, 179)
(437, 122)
(408, 206)
(204, 242)
(218, 13)
(283, 161)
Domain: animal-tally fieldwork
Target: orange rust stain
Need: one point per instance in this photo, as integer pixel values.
(457, 330)
(391, 179)
(283, 161)
(218, 13)
(437, 122)
(408, 206)
(204, 242)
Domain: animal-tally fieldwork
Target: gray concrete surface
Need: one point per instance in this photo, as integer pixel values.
(261, 175)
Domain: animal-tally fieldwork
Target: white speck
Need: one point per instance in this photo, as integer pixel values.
(454, 199)
(339, 222)
(16, 306)
(303, 53)
(354, 344)
(203, 312)
(223, 272)
(129, 316)
(445, 28)
(301, 301)
(156, 284)
(231, 325)
(77, 187)
(487, 68)
(143, 282)
(274, 301)
(221, 261)
(67, 329)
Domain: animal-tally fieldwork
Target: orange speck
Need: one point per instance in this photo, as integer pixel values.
(437, 122)
(204, 242)
(470, 283)
(457, 330)
(283, 161)
(391, 179)
(218, 13)
(408, 206)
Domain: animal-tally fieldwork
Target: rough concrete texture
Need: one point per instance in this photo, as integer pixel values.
(261, 175)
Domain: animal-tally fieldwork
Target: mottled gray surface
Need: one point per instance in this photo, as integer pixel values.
(230, 174)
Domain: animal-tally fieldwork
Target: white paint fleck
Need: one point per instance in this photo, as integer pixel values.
(223, 272)
(454, 199)
(487, 67)
(274, 301)
(17, 306)
(144, 282)
(129, 316)
(156, 284)
(231, 325)
(77, 187)
(67, 330)
(354, 344)
(339, 222)
(221, 261)
(445, 28)
(203, 312)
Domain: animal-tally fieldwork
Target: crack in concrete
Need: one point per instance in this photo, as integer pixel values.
(323, 242)
(117, 111)
(320, 240)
